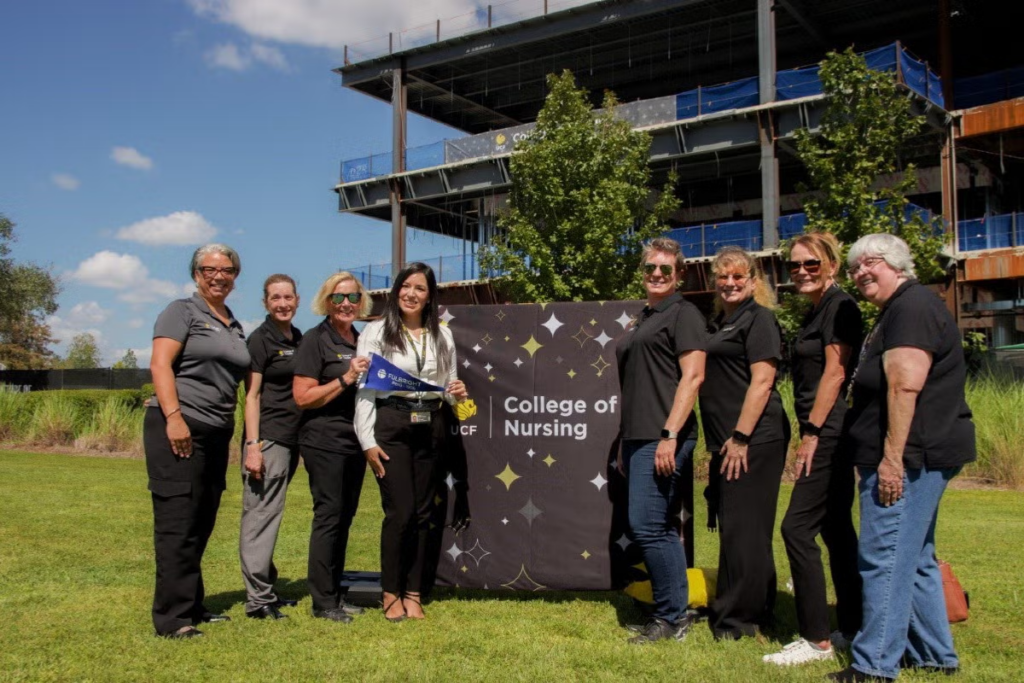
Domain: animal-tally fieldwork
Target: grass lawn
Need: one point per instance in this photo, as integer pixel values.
(76, 579)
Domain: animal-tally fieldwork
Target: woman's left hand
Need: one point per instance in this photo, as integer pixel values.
(734, 459)
(890, 481)
(457, 389)
(804, 455)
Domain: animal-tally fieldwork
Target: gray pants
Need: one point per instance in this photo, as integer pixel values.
(262, 510)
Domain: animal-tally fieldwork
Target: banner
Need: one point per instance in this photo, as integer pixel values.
(383, 375)
(530, 451)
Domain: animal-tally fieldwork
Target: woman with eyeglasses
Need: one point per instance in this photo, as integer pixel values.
(747, 433)
(402, 432)
(661, 367)
(823, 356)
(199, 358)
(327, 368)
(908, 432)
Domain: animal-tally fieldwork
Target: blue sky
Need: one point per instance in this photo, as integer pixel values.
(133, 130)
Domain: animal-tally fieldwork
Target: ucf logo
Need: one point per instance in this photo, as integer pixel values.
(464, 411)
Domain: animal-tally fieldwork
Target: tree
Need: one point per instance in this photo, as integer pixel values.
(128, 361)
(83, 354)
(28, 293)
(580, 206)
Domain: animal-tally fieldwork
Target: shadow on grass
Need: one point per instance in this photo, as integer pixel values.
(291, 589)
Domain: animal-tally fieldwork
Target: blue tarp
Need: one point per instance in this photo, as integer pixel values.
(987, 88)
(990, 232)
(797, 83)
(792, 225)
(735, 95)
(425, 156)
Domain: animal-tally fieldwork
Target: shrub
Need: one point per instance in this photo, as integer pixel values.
(115, 427)
(997, 401)
(54, 422)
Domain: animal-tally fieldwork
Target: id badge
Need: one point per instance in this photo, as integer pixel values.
(419, 417)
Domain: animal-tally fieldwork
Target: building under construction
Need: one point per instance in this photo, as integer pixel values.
(721, 86)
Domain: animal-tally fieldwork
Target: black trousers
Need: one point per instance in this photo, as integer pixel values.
(335, 481)
(822, 503)
(186, 495)
(745, 594)
(407, 496)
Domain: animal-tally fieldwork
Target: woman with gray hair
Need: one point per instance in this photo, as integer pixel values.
(908, 431)
(199, 358)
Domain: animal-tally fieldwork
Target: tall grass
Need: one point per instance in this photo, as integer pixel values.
(115, 427)
(54, 422)
(997, 401)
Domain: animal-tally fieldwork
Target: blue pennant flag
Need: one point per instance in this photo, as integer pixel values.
(386, 376)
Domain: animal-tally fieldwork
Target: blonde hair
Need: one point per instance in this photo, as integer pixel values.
(735, 256)
(824, 245)
(327, 288)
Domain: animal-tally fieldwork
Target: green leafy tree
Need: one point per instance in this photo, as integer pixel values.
(83, 354)
(128, 361)
(580, 206)
(28, 293)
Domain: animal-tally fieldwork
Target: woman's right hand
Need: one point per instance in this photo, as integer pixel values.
(254, 460)
(356, 367)
(179, 436)
(374, 456)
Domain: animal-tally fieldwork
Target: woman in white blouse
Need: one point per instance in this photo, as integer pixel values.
(401, 432)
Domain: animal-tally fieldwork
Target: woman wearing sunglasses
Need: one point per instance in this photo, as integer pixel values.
(661, 367)
(747, 432)
(823, 356)
(326, 371)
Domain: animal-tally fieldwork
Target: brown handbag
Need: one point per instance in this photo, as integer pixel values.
(957, 603)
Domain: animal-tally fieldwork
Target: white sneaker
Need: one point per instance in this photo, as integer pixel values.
(840, 641)
(798, 652)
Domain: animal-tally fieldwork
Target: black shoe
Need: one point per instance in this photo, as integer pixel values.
(334, 614)
(659, 629)
(285, 602)
(266, 612)
(851, 675)
(350, 609)
(182, 634)
(211, 618)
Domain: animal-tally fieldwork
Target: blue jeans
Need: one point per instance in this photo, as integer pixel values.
(904, 610)
(653, 526)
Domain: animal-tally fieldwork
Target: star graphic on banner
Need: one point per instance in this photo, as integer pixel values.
(492, 378)
(507, 476)
(486, 339)
(623, 542)
(582, 336)
(488, 367)
(527, 582)
(532, 345)
(465, 363)
(559, 360)
(592, 322)
(543, 305)
(530, 512)
(600, 365)
(549, 460)
(454, 551)
(553, 324)
(571, 373)
(504, 520)
(477, 552)
(451, 481)
(599, 481)
(476, 348)
(531, 452)
(602, 339)
(624, 320)
(507, 337)
(585, 555)
(464, 569)
(446, 317)
(500, 315)
(517, 362)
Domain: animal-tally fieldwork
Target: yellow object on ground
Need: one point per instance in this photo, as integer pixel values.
(702, 587)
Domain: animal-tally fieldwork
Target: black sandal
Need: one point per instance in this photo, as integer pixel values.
(394, 620)
(414, 597)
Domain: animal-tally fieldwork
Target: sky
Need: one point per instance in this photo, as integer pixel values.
(132, 131)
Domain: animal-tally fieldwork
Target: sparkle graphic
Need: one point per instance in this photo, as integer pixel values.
(491, 378)
(582, 336)
(486, 339)
(477, 552)
(553, 324)
(623, 542)
(451, 481)
(504, 520)
(507, 337)
(507, 476)
(592, 322)
(517, 362)
(549, 460)
(543, 305)
(500, 315)
(600, 365)
(525, 583)
(559, 360)
(446, 317)
(599, 481)
(488, 367)
(531, 452)
(465, 569)
(624, 320)
(532, 345)
(602, 339)
(571, 373)
(454, 551)
(476, 348)
(530, 512)
(585, 555)
(465, 363)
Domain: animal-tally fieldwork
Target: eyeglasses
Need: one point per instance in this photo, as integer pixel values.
(735, 277)
(811, 266)
(665, 268)
(338, 299)
(212, 271)
(866, 264)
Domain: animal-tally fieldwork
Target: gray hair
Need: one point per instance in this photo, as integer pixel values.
(889, 248)
(215, 248)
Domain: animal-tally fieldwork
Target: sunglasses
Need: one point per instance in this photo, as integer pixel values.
(338, 299)
(665, 268)
(211, 271)
(811, 266)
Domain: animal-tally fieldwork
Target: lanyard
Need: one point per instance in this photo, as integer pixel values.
(421, 356)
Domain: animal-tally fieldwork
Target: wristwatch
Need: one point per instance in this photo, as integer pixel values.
(666, 434)
(741, 438)
(809, 429)
(250, 442)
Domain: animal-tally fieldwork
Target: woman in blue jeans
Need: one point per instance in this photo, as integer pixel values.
(661, 367)
(908, 431)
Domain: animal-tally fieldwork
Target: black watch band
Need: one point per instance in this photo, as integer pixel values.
(809, 429)
(741, 438)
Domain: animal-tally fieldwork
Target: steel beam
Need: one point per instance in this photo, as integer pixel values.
(398, 123)
(769, 161)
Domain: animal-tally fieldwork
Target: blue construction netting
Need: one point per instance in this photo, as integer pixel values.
(792, 225)
(988, 88)
(991, 232)
(706, 239)
(373, 277)
(425, 156)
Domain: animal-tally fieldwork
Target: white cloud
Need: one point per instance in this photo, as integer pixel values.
(249, 325)
(149, 291)
(65, 181)
(65, 329)
(111, 270)
(268, 55)
(129, 156)
(227, 56)
(142, 356)
(188, 289)
(88, 313)
(177, 229)
(136, 323)
(230, 56)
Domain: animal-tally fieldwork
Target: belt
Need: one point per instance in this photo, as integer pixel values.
(409, 405)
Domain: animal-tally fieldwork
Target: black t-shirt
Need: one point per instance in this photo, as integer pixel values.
(325, 356)
(273, 356)
(649, 373)
(942, 431)
(750, 335)
(835, 320)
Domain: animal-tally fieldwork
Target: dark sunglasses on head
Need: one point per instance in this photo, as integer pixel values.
(812, 266)
(665, 268)
(354, 297)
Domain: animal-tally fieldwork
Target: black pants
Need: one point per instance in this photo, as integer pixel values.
(186, 495)
(745, 594)
(407, 496)
(822, 503)
(335, 481)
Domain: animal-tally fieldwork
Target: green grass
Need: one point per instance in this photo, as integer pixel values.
(76, 579)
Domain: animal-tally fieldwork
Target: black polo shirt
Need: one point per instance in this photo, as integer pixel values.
(325, 356)
(835, 320)
(273, 356)
(942, 431)
(649, 373)
(750, 335)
